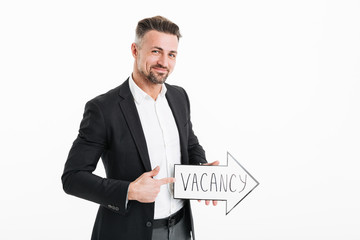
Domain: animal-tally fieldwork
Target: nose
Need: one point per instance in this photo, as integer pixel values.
(163, 60)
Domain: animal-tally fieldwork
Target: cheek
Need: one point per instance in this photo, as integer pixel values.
(145, 64)
(150, 61)
(172, 65)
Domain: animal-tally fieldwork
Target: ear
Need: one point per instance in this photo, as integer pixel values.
(134, 50)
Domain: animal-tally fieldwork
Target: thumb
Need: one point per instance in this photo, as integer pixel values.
(155, 171)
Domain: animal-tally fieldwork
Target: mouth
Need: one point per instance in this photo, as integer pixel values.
(160, 69)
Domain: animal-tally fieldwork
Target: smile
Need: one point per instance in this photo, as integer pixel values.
(160, 69)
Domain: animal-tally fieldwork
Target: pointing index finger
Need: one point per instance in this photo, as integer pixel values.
(166, 180)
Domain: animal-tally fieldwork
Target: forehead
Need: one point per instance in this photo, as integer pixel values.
(162, 40)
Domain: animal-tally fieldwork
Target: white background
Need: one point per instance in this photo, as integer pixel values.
(275, 83)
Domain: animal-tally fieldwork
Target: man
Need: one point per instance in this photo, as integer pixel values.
(140, 130)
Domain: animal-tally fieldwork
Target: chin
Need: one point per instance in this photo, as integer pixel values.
(155, 78)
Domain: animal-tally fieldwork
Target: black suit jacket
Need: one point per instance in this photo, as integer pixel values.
(111, 129)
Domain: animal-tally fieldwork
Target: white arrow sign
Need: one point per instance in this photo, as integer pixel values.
(230, 183)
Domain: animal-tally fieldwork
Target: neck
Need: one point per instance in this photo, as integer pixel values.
(152, 89)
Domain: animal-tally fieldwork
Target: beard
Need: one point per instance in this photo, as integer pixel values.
(156, 78)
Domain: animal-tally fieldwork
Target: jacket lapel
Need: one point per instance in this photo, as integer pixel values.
(131, 115)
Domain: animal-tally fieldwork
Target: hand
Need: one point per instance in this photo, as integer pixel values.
(214, 202)
(145, 188)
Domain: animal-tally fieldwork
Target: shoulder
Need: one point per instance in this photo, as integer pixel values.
(177, 94)
(174, 88)
(111, 97)
(176, 91)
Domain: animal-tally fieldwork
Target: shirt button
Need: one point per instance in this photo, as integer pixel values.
(149, 224)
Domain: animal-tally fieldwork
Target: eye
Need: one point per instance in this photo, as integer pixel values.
(155, 51)
(172, 55)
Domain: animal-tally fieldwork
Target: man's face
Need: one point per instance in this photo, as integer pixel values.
(155, 58)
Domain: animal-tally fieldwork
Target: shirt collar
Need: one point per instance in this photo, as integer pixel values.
(139, 94)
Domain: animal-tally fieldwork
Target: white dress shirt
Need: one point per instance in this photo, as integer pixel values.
(163, 144)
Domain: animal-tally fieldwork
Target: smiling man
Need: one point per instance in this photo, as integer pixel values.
(140, 130)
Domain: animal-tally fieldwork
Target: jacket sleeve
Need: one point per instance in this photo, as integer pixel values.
(78, 178)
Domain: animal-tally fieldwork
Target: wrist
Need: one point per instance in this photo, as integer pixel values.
(131, 192)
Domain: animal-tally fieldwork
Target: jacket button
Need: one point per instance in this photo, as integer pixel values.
(149, 224)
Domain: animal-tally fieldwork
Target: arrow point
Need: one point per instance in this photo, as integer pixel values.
(251, 183)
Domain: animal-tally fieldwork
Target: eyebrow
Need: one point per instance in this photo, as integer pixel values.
(161, 49)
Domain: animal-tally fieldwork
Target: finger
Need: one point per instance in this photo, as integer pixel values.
(199, 200)
(207, 202)
(166, 180)
(215, 202)
(212, 164)
(154, 172)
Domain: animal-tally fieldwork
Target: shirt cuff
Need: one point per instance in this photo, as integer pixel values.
(126, 200)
